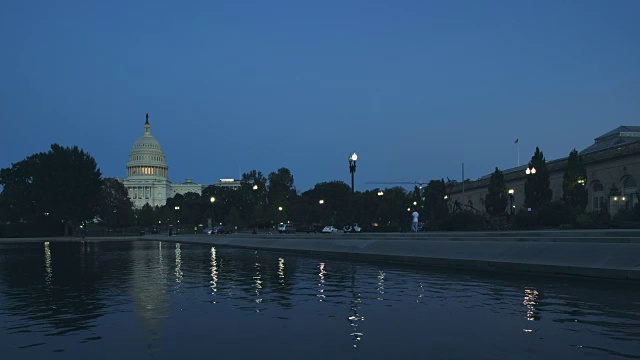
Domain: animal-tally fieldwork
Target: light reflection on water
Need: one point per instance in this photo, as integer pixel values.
(155, 300)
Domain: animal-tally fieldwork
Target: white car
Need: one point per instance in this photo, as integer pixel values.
(329, 229)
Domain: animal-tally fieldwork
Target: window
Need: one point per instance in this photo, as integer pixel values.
(598, 196)
(629, 191)
(629, 182)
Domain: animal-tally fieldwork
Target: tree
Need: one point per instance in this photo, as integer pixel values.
(146, 216)
(334, 210)
(574, 188)
(496, 199)
(435, 202)
(62, 184)
(115, 207)
(254, 190)
(537, 190)
(280, 186)
(281, 193)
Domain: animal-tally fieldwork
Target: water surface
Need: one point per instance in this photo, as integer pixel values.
(152, 300)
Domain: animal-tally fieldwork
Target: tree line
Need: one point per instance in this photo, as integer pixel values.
(61, 191)
(58, 191)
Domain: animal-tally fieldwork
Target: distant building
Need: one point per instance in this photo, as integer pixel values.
(147, 180)
(612, 164)
(229, 183)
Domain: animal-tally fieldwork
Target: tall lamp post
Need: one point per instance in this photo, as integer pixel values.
(530, 171)
(212, 200)
(255, 211)
(352, 169)
(511, 201)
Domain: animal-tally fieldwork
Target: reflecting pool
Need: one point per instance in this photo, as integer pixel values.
(160, 300)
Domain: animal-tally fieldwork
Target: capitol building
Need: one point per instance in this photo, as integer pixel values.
(147, 180)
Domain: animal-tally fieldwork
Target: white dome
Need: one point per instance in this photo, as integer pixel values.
(147, 158)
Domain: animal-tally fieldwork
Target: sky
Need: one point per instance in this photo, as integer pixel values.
(415, 88)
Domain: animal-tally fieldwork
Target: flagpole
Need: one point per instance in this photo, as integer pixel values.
(518, 152)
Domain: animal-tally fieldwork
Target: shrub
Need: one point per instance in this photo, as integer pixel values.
(584, 220)
(463, 220)
(526, 219)
(555, 214)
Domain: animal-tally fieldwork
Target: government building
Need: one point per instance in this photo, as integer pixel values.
(612, 163)
(147, 180)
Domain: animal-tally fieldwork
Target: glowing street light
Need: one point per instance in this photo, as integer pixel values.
(212, 200)
(530, 170)
(352, 169)
(511, 200)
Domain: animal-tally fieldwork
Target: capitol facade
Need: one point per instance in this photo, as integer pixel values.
(147, 180)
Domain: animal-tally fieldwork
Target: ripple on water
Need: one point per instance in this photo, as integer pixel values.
(164, 299)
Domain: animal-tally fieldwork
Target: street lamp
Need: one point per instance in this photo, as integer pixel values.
(511, 204)
(352, 169)
(255, 187)
(212, 200)
(280, 216)
(530, 171)
(321, 202)
(380, 193)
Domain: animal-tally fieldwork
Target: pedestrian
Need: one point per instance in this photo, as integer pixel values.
(414, 223)
(170, 231)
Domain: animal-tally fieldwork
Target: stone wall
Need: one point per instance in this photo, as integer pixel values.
(608, 167)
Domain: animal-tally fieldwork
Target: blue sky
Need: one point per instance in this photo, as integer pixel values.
(416, 88)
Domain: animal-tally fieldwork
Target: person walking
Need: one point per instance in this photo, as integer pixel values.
(414, 223)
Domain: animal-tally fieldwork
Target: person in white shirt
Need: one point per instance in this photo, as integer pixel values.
(414, 223)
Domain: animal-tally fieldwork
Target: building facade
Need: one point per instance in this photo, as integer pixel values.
(147, 180)
(612, 163)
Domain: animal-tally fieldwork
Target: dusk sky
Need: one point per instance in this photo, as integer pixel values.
(416, 88)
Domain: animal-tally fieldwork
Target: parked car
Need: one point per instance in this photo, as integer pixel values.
(329, 229)
(222, 230)
(286, 228)
(312, 228)
(352, 228)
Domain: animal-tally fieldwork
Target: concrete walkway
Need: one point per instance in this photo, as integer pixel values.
(613, 254)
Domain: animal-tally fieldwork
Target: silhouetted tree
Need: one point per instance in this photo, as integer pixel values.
(496, 198)
(574, 187)
(435, 203)
(63, 183)
(115, 208)
(146, 216)
(537, 188)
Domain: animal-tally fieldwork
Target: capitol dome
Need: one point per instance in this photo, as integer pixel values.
(147, 160)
